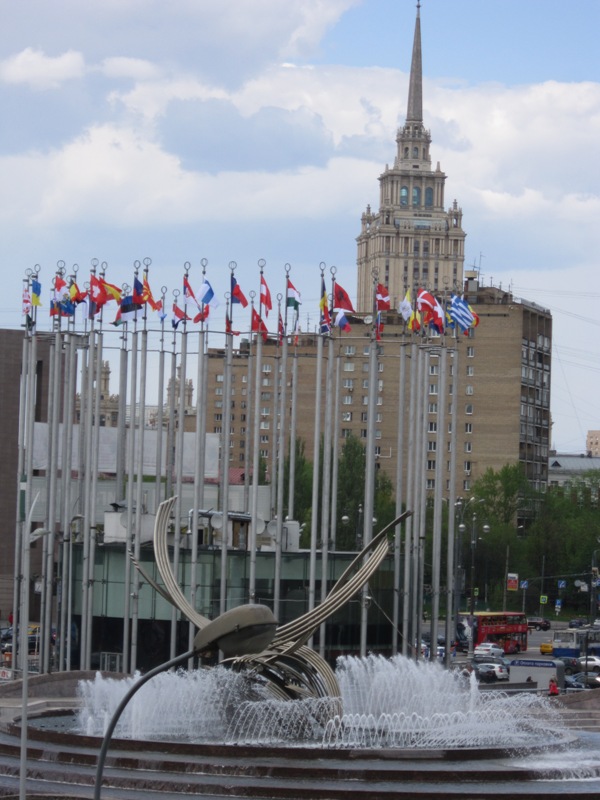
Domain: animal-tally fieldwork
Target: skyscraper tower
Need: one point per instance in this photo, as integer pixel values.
(411, 240)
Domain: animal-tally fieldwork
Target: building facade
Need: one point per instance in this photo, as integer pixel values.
(411, 239)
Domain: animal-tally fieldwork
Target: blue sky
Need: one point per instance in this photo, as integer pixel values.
(250, 129)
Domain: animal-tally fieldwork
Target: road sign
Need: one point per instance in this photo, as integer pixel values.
(562, 584)
(524, 584)
(543, 599)
(558, 603)
(512, 581)
(476, 592)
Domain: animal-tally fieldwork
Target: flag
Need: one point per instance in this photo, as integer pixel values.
(341, 299)
(97, 296)
(111, 291)
(341, 321)
(432, 311)
(188, 293)
(265, 296)
(155, 305)
(293, 296)
(382, 296)
(228, 328)
(258, 326)
(202, 314)
(61, 304)
(127, 311)
(75, 293)
(414, 321)
(138, 291)
(325, 321)
(26, 301)
(460, 313)
(237, 296)
(178, 315)
(36, 291)
(406, 308)
(281, 328)
(475, 317)
(378, 326)
(206, 295)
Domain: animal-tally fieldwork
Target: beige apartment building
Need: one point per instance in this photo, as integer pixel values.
(497, 393)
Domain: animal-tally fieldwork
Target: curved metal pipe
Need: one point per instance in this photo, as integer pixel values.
(174, 662)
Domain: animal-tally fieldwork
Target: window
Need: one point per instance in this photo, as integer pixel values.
(432, 408)
(264, 425)
(430, 484)
(469, 408)
(433, 389)
(220, 378)
(363, 416)
(404, 195)
(416, 196)
(348, 383)
(264, 439)
(217, 429)
(468, 447)
(365, 400)
(470, 370)
(431, 463)
(350, 350)
(347, 400)
(378, 434)
(431, 447)
(346, 433)
(348, 366)
(363, 433)
(432, 427)
(434, 369)
(266, 382)
(470, 351)
(429, 196)
(218, 417)
(467, 467)
(219, 391)
(265, 411)
(469, 389)
(365, 383)
(346, 416)
(468, 427)
(467, 486)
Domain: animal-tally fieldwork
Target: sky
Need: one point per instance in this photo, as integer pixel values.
(257, 129)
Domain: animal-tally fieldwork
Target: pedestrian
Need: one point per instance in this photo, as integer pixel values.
(553, 688)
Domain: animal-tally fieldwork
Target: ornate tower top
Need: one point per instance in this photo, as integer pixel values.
(414, 111)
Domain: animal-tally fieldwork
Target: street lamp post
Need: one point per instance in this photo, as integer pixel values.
(462, 529)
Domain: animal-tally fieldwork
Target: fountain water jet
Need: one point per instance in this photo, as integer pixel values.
(387, 703)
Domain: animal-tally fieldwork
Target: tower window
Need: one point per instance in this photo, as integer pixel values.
(429, 197)
(404, 196)
(416, 196)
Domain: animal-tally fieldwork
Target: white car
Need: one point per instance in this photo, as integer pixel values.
(486, 671)
(591, 663)
(488, 649)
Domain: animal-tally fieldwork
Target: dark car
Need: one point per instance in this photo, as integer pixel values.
(539, 623)
(578, 622)
(571, 663)
(589, 679)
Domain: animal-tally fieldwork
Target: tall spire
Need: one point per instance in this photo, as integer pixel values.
(414, 112)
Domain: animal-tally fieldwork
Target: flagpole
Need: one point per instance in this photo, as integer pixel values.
(140, 506)
(438, 502)
(160, 416)
(369, 505)
(51, 482)
(281, 445)
(179, 445)
(255, 462)
(408, 626)
(130, 499)
(199, 462)
(225, 442)
(399, 499)
(335, 453)
(293, 426)
(421, 496)
(314, 521)
(451, 566)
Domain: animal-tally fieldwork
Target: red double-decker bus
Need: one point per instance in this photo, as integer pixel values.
(506, 628)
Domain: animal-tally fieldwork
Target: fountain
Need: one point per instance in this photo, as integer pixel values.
(387, 703)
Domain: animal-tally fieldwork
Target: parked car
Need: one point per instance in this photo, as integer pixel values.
(571, 664)
(488, 671)
(589, 679)
(546, 647)
(573, 684)
(538, 623)
(589, 663)
(578, 622)
(488, 649)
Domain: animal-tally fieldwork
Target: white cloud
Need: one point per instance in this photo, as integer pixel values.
(39, 71)
(138, 69)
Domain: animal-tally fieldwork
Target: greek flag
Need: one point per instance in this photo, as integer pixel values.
(460, 312)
